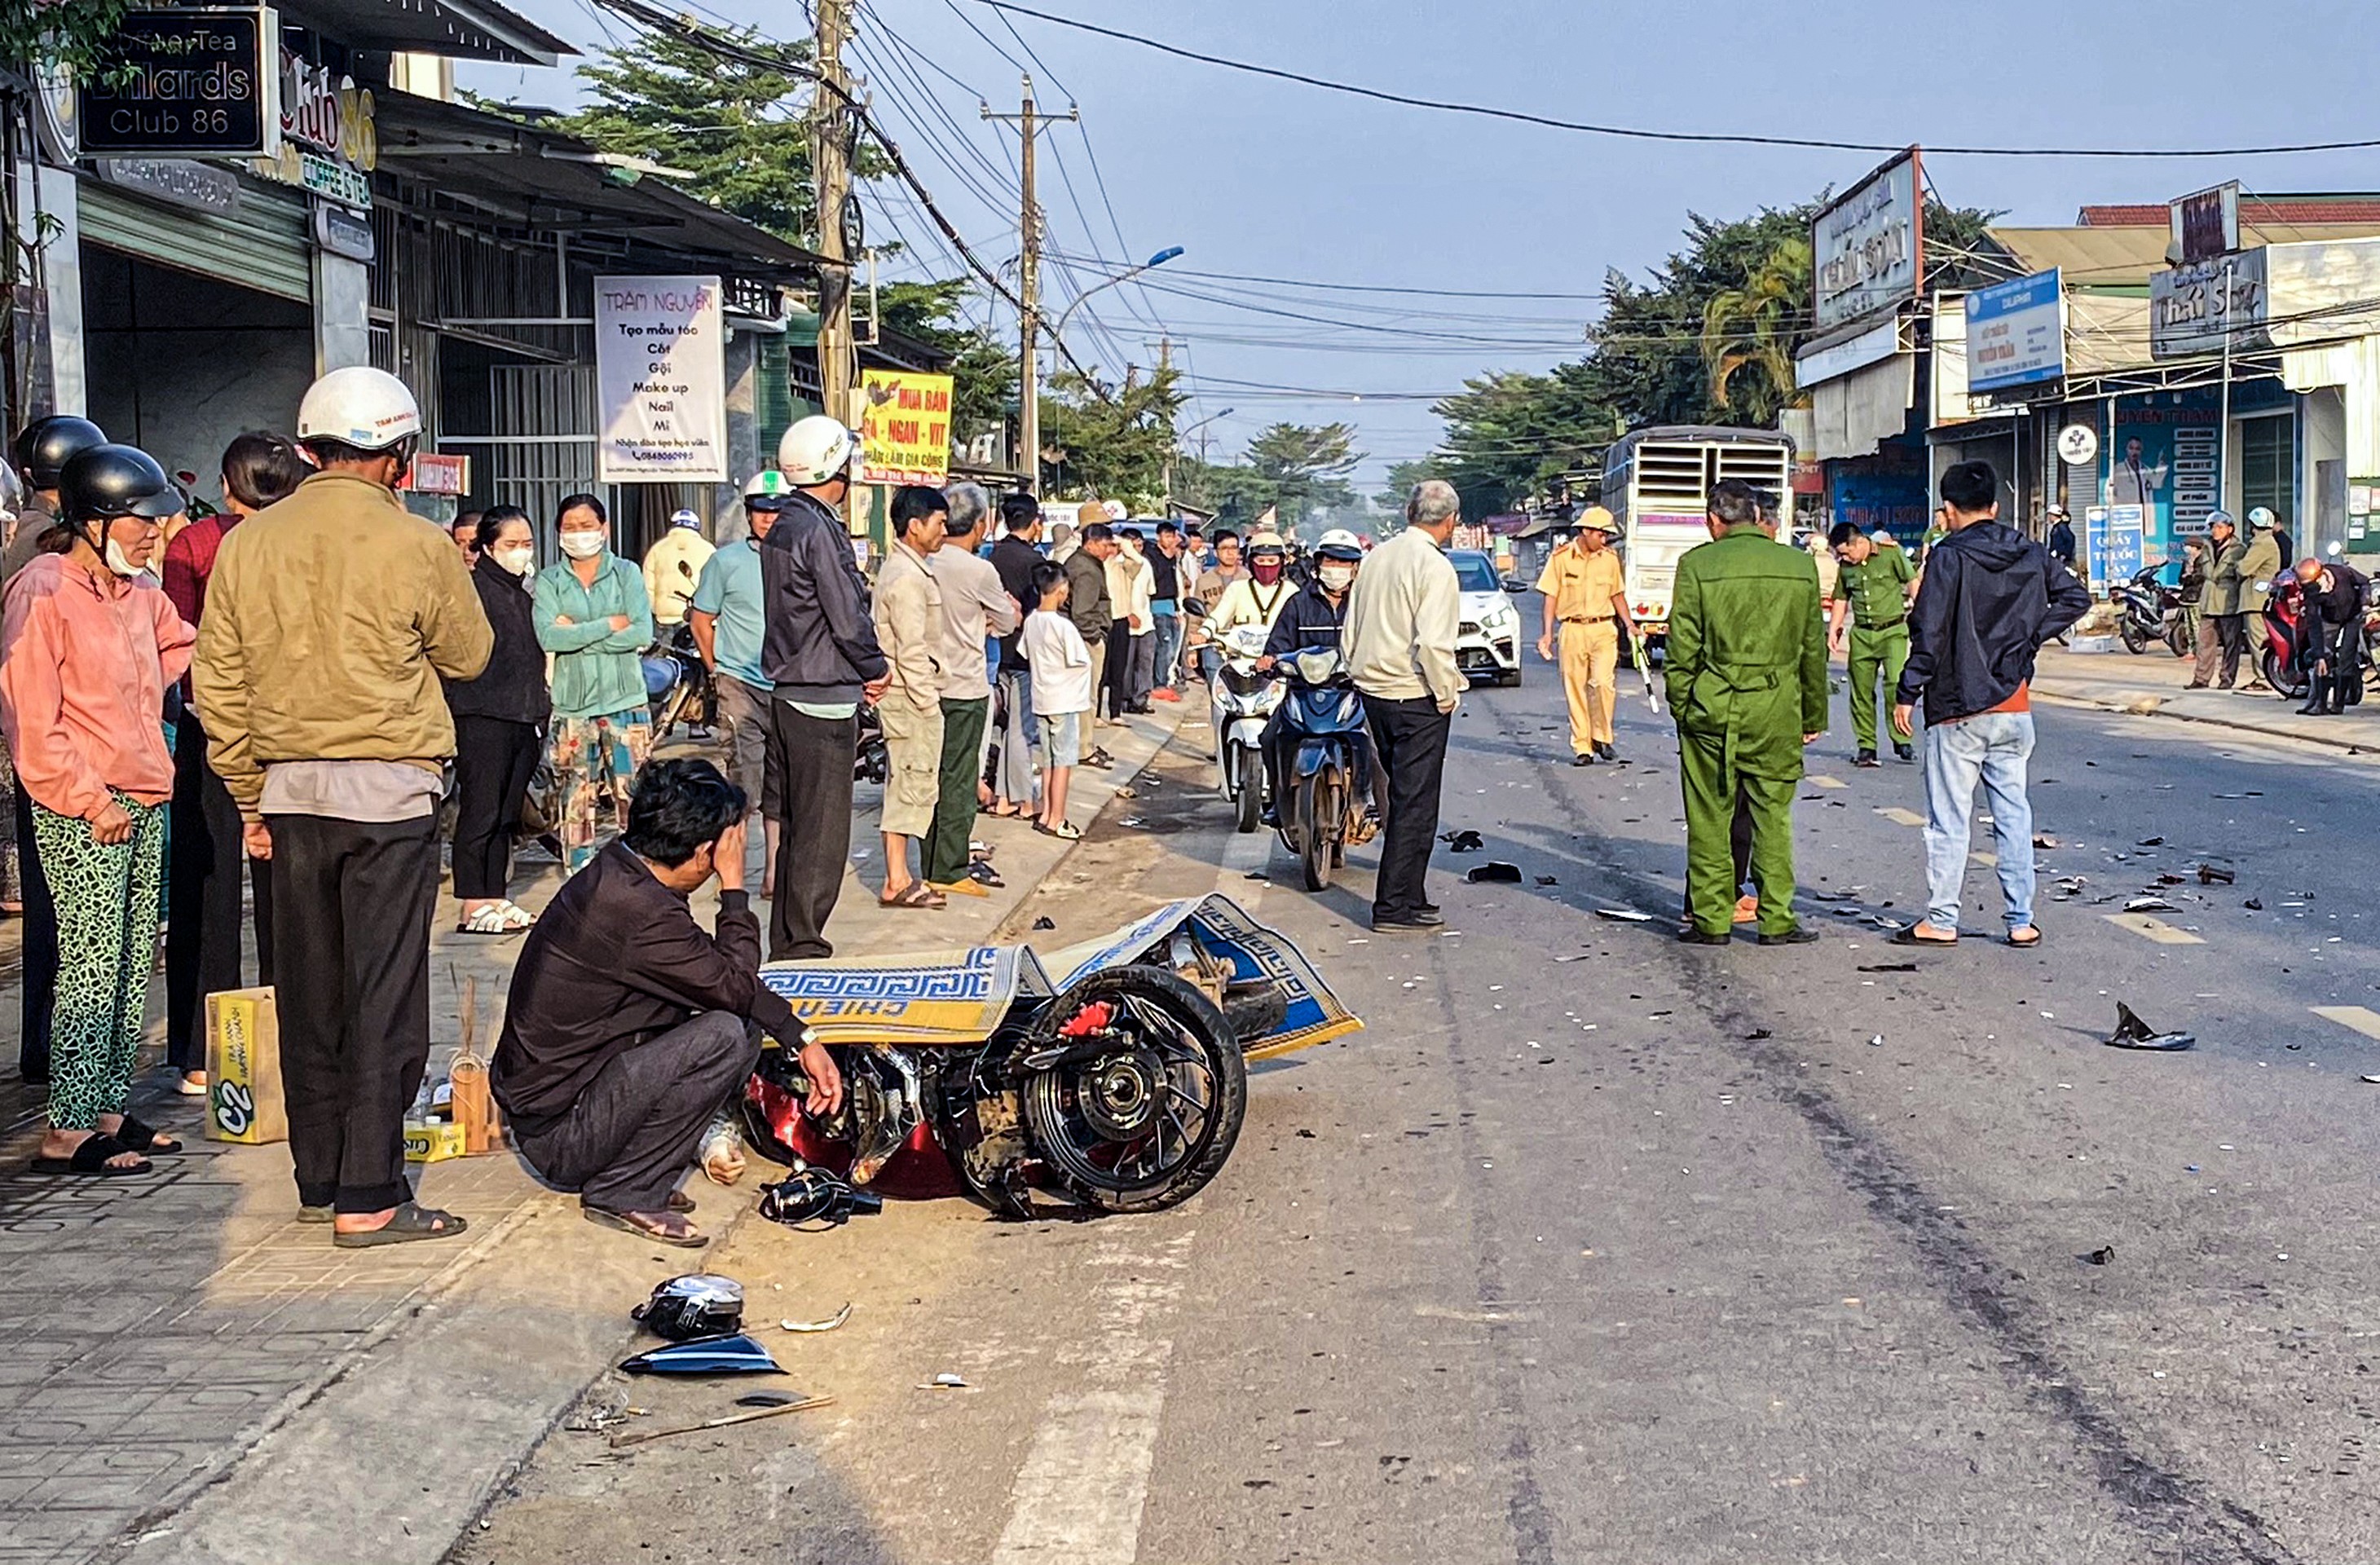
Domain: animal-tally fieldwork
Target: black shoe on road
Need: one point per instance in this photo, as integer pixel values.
(1867, 759)
(1583, 758)
(1271, 818)
(1800, 934)
(1604, 751)
(1696, 937)
(1904, 752)
(1410, 922)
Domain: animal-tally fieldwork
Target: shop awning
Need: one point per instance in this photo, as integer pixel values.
(469, 30)
(462, 162)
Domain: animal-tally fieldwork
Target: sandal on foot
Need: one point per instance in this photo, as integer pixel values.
(661, 1228)
(409, 1222)
(915, 894)
(91, 1158)
(2026, 938)
(140, 1137)
(1065, 831)
(1907, 935)
(489, 920)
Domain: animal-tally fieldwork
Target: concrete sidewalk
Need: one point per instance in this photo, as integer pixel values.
(2154, 684)
(186, 1374)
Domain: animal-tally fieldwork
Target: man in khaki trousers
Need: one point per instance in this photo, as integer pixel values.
(1586, 604)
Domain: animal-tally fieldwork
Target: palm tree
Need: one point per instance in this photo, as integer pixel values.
(1754, 326)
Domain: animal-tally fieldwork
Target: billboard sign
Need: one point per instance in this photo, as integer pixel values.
(2016, 332)
(661, 380)
(2206, 223)
(1867, 251)
(186, 82)
(2193, 308)
(905, 427)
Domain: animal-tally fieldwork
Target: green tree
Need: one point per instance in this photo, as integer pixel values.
(1302, 469)
(1112, 445)
(1749, 332)
(983, 372)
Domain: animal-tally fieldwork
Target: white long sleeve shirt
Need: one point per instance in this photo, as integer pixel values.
(1403, 615)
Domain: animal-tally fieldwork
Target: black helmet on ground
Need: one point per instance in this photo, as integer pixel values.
(696, 1305)
(45, 446)
(108, 481)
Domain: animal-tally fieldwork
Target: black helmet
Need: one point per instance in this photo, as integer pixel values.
(696, 1305)
(106, 482)
(43, 446)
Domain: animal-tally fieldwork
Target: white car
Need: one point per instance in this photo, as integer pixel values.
(1488, 645)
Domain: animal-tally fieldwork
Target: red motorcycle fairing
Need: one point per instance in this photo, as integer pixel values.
(919, 1171)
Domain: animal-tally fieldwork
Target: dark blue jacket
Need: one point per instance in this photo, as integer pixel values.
(1309, 619)
(1990, 598)
(819, 644)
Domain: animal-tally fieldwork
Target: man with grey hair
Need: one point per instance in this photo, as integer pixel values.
(975, 608)
(1403, 615)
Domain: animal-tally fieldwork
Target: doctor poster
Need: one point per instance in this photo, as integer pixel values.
(661, 380)
(2163, 460)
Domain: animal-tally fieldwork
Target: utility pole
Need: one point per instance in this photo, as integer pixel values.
(833, 140)
(1165, 367)
(1028, 121)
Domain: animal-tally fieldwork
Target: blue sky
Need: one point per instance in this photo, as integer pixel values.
(1278, 180)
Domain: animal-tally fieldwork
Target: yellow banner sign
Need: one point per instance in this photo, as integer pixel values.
(905, 427)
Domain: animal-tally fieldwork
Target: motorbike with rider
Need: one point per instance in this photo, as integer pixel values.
(1323, 775)
(1245, 691)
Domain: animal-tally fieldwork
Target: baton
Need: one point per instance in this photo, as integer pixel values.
(1643, 667)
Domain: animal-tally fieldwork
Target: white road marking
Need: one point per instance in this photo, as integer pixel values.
(1819, 780)
(2361, 1018)
(1079, 1496)
(1244, 852)
(2150, 928)
(1986, 860)
(1900, 817)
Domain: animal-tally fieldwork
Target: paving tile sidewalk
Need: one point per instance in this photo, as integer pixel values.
(154, 1331)
(2154, 684)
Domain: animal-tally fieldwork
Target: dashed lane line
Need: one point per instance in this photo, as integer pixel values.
(2150, 928)
(1985, 860)
(1900, 817)
(2361, 1018)
(1819, 780)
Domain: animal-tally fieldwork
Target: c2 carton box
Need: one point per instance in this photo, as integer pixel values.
(244, 1068)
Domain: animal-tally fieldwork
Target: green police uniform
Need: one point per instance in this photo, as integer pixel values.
(1747, 678)
(1878, 590)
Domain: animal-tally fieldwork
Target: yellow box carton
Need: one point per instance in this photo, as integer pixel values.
(433, 1142)
(244, 1101)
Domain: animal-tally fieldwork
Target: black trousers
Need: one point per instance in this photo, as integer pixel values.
(493, 761)
(204, 871)
(807, 793)
(39, 989)
(1411, 738)
(351, 953)
(2334, 665)
(1114, 694)
(632, 1134)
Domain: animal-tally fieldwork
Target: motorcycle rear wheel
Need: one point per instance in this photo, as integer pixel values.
(1146, 1124)
(2286, 683)
(2134, 641)
(1319, 811)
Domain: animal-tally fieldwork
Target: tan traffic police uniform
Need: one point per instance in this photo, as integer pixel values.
(1581, 586)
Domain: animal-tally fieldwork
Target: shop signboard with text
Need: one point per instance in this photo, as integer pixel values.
(2165, 458)
(905, 427)
(661, 380)
(329, 141)
(2016, 332)
(1867, 251)
(186, 82)
(2193, 308)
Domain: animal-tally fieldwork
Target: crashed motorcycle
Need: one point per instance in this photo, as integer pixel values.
(1109, 1076)
(1328, 794)
(2149, 613)
(1242, 698)
(678, 683)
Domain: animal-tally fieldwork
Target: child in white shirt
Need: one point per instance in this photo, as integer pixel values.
(1062, 692)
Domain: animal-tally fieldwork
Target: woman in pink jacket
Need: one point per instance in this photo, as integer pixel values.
(87, 645)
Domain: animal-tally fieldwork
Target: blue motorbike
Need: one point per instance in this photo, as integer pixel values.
(1326, 795)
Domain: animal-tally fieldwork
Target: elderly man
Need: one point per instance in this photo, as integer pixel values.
(2335, 596)
(1404, 614)
(1015, 557)
(909, 628)
(975, 607)
(2221, 635)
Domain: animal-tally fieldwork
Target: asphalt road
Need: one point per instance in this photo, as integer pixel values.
(1661, 1253)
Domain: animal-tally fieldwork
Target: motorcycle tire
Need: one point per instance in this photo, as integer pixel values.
(1093, 1122)
(2134, 641)
(1318, 810)
(2178, 638)
(1250, 772)
(2286, 683)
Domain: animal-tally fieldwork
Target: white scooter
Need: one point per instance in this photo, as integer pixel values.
(1242, 699)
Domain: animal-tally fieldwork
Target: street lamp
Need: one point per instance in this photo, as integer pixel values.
(1160, 258)
(1202, 424)
(1176, 444)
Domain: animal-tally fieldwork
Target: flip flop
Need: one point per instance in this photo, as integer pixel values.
(645, 1225)
(90, 1159)
(2025, 945)
(915, 894)
(409, 1222)
(489, 920)
(138, 1137)
(1907, 935)
(1065, 831)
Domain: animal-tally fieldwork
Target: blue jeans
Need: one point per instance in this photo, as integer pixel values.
(1992, 748)
(1169, 646)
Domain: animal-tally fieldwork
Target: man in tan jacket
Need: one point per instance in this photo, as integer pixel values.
(908, 616)
(330, 617)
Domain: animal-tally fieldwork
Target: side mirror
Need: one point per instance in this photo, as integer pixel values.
(1514, 584)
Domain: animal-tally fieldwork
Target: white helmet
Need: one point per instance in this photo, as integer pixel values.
(816, 450)
(2262, 517)
(361, 407)
(768, 487)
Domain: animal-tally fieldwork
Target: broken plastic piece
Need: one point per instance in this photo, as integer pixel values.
(2215, 875)
(2044, 840)
(2254, 905)
(1548, 880)
(735, 1353)
(767, 1399)
(2149, 904)
(946, 1381)
(1890, 967)
(1624, 915)
(1495, 872)
(699, 1303)
(2101, 1256)
(1465, 841)
(2133, 1032)
(828, 1324)
(1045, 922)
(2152, 842)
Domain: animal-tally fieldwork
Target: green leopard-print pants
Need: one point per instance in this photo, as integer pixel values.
(106, 895)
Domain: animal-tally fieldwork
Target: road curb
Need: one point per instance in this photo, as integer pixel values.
(2089, 703)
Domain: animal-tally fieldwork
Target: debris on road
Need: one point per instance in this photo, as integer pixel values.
(699, 1303)
(638, 1436)
(1465, 841)
(1045, 922)
(2101, 1256)
(2215, 875)
(1876, 1042)
(2044, 840)
(1495, 872)
(828, 1324)
(2133, 1032)
(734, 1354)
(2149, 904)
(1889, 967)
(1624, 915)
(2254, 905)
(946, 1381)
(2152, 842)
(1548, 880)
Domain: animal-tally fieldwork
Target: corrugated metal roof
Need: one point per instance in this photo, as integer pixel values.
(2089, 256)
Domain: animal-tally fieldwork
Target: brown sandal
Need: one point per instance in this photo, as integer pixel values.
(661, 1228)
(916, 894)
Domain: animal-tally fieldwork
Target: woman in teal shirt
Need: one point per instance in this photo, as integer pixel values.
(592, 615)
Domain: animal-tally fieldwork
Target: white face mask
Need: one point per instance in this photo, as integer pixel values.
(1338, 578)
(118, 563)
(582, 545)
(516, 558)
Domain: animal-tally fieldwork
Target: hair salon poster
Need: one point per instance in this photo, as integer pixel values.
(2165, 460)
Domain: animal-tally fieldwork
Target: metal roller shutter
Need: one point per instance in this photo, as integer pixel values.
(264, 245)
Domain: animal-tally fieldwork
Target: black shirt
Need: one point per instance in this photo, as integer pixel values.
(512, 685)
(614, 961)
(2342, 603)
(819, 643)
(1014, 559)
(1164, 578)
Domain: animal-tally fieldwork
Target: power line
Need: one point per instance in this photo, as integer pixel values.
(1640, 134)
(1374, 288)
